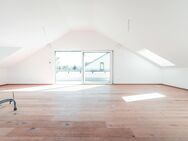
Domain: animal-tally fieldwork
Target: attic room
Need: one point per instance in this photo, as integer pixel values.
(93, 70)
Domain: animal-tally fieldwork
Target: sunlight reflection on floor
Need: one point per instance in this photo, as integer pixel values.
(51, 88)
(142, 97)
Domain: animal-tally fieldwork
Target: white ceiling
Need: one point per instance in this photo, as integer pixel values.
(158, 25)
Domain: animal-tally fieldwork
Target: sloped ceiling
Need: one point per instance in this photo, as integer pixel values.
(157, 25)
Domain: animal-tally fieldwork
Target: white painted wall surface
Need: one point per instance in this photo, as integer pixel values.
(128, 67)
(177, 77)
(6, 51)
(36, 69)
(132, 69)
(3, 76)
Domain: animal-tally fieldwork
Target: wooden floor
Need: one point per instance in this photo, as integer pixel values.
(94, 113)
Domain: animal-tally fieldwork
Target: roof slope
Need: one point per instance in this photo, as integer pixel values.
(157, 25)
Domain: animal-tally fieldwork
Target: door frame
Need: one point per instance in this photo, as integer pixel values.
(83, 66)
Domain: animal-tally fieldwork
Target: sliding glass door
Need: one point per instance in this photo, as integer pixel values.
(84, 67)
(97, 67)
(69, 67)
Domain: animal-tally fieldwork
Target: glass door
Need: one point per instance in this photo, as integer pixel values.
(69, 67)
(78, 67)
(97, 67)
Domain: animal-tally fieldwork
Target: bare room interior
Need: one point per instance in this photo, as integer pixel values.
(93, 70)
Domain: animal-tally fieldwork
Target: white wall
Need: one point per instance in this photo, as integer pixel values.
(128, 67)
(132, 69)
(35, 69)
(177, 77)
(6, 51)
(3, 76)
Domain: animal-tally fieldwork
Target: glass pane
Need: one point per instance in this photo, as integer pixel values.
(69, 67)
(97, 67)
